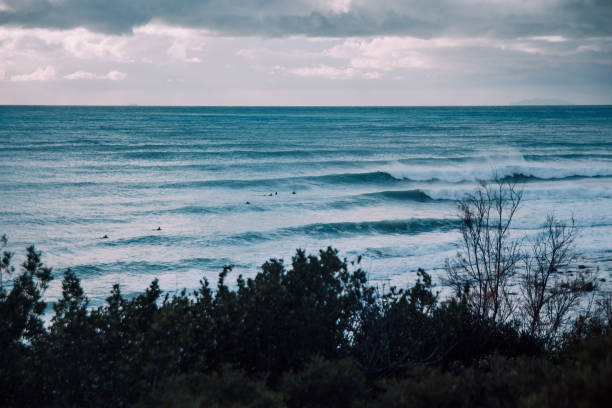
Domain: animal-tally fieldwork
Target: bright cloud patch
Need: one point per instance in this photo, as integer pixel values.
(324, 71)
(183, 43)
(4, 6)
(549, 38)
(384, 53)
(112, 75)
(78, 42)
(41, 74)
(180, 44)
(373, 57)
(377, 57)
(116, 76)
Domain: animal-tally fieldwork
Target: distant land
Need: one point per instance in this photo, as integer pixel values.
(542, 101)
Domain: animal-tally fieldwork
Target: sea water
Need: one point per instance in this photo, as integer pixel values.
(241, 185)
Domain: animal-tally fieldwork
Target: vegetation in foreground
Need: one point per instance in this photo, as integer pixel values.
(312, 334)
(315, 334)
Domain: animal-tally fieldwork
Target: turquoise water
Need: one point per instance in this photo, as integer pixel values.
(379, 182)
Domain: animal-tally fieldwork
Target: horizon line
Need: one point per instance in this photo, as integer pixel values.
(514, 105)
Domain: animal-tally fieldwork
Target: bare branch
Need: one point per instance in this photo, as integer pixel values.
(549, 292)
(488, 257)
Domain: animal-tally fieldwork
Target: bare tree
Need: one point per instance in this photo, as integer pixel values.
(488, 257)
(490, 261)
(549, 294)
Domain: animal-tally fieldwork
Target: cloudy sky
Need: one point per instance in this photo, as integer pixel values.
(304, 52)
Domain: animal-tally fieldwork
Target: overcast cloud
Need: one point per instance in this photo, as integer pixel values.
(271, 52)
(337, 18)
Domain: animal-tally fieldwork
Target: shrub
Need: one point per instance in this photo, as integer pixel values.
(326, 384)
(228, 388)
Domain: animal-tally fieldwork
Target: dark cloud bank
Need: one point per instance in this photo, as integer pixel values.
(272, 18)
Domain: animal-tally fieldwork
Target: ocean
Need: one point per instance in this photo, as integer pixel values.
(379, 182)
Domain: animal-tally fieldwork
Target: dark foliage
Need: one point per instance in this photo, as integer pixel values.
(21, 328)
(225, 388)
(312, 334)
(326, 384)
(582, 378)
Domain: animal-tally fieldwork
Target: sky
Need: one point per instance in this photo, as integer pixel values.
(305, 52)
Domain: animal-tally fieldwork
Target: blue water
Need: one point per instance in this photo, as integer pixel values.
(379, 182)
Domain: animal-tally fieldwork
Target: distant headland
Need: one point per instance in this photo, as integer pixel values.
(541, 102)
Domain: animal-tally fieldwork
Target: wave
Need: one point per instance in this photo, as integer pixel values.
(45, 184)
(378, 198)
(471, 172)
(410, 226)
(386, 176)
(101, 269)
(506, 165)
(571, 156)
(144, 267)
(264, 205)
(200, 210)
(562, 192)
(161, 240)
(389, 177)
(252, 154)
(522, 177)
(399, 195)
(374, 177)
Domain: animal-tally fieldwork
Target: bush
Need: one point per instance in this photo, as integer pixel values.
(312, 334)
(227, 388)
(326, 384)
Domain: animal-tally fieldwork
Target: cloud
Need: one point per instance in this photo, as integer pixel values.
(548, 38)
(85, 44)
(385, 53)
(184, 41)
(79, 42)
(41, 74)
(372, 58)
(116, 76)
(335, 18)
(321, 51)
(5, 7)
(112, 75)
(324, 71)
(180, 44)
(83, 75)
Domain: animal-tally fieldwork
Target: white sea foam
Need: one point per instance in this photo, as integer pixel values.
(488, 170)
